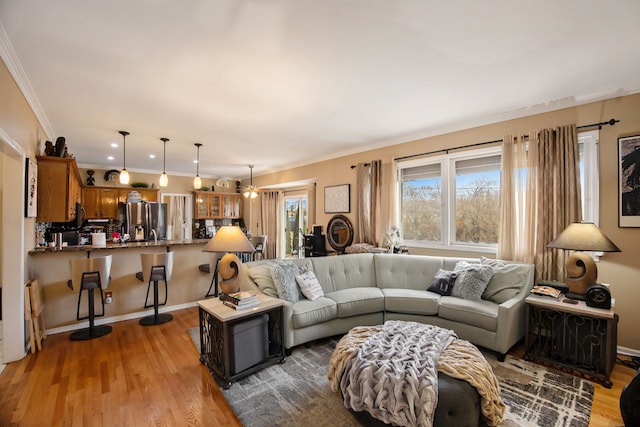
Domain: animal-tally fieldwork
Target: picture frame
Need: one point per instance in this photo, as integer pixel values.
(30, 188)
(337, 198)
(629, 181)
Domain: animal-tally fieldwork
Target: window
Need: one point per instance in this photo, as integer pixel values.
(451, 201)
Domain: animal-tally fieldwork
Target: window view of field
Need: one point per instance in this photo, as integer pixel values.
(475, 198)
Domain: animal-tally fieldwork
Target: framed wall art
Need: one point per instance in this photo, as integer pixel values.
(31, 188)
(337, 199)
(629, 181)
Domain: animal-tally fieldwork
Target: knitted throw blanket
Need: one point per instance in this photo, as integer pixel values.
(391, 372)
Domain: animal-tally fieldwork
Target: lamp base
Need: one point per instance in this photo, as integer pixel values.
(575, 295)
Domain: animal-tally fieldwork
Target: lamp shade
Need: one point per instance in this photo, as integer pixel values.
(583, 236)
(229, 238)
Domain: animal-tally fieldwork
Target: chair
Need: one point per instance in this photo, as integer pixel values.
(258, 242)
(89, 274)
(156, 267)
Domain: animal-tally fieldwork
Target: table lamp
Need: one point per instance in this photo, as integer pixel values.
(229, 239)
(581, 268)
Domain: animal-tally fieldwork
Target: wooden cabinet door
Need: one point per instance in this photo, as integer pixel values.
(231, 205)
(109, 203)
(149, 195)
(91, 202)
(58, 189)
(215, 208)
(201, 200)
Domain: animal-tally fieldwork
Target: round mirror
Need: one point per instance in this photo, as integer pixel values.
(339, 233)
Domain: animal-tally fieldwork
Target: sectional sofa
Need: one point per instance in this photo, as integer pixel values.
(367, 289)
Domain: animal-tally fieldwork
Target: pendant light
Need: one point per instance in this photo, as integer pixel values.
(124, 175)
(251, 190)
(197, 182)
(164, 179)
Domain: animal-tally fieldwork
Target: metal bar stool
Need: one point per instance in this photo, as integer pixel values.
(90, 274)
(156, 267)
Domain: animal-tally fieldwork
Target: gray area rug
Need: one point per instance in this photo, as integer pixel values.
(297, 393)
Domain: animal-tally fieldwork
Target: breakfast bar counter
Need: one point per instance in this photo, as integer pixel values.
(50, 266)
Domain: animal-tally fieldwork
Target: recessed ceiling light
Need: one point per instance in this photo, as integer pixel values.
(109, 157)
(152, 156)
(195, 161)
(114, 145)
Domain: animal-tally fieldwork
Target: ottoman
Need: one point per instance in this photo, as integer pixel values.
(467, 391)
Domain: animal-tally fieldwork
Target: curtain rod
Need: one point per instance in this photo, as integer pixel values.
(446, 150)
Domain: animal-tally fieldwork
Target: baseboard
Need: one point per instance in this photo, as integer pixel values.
(114, 319)
(628, 351)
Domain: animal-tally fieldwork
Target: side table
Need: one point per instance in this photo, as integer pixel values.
(216, 324)
(576, 337)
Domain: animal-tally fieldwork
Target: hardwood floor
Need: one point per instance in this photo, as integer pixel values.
(150, 376)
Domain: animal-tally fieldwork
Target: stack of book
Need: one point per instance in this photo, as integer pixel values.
(239, 300)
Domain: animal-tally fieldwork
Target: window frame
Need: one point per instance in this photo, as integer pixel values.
(447, 163)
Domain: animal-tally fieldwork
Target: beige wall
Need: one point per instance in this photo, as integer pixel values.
(20, 130)
(621, 270)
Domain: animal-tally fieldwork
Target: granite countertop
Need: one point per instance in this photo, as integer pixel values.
(112, 246)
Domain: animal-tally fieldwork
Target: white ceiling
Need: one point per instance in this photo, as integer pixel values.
(277, 83)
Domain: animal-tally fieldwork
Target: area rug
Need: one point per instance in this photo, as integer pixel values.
(297, 393)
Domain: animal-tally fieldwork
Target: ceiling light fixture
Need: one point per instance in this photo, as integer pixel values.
(197, 182)
(251, 190)
(124, 175)
(164, 179)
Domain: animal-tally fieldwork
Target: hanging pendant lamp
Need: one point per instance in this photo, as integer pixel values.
(124, 175)
(164, 179)
(197, 182)
(251, 190)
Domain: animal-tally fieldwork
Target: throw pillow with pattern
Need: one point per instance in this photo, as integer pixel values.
(472, 280)
(443, 282)
(284, 275)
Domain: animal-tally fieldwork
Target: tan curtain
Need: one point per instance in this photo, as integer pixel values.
(389, 186)
(558, 196)
(269, 214)
(516, 236)
(369, 203)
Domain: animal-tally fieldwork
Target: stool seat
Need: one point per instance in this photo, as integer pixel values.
(156, 267)
(90, 274)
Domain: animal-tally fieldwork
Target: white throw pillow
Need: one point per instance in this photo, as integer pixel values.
(309, 285)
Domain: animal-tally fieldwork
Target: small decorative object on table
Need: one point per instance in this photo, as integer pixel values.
(392, 239)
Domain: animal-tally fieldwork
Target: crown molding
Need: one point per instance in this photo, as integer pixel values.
(10, 58)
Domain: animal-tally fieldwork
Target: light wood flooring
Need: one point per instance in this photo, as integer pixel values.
(150, 376)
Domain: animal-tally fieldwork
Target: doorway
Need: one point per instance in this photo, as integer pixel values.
(296, 214)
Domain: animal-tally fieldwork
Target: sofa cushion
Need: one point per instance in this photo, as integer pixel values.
(308, 313)
(345, 271)
(405, 271)
(355, 301)
(483, 314)
(309, 285)
(411, 301)
(507, 280)
(443, 282)
(284, 275)
(472, 280)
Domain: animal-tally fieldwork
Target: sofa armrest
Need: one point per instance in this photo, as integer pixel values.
(511, 323)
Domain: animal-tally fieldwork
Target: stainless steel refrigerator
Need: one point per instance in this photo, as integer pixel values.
(141, 219)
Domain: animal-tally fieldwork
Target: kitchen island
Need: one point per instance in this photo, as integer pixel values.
(50, 266)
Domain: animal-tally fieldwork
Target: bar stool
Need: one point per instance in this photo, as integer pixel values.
(156, 267)
(90, 274)
(258, 242)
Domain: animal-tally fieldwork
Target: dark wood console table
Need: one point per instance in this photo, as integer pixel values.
(216, 328)
(574, 337)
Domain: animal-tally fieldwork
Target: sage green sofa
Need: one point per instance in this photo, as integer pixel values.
(367, 289)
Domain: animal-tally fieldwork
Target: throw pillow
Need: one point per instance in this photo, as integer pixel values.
(309, 285)
(443, 282)
(507, 280)
(260, 273)
(472, 280)
(284, 279)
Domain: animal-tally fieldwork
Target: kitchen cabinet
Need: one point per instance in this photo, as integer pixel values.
(102, 202)
(210, 205)
(59, 189)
